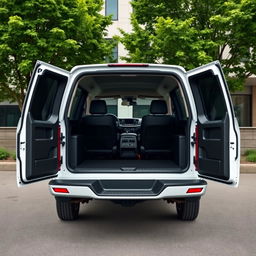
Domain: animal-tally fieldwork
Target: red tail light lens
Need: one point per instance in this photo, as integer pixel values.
(194, 190)
(127, 65)
(60, 190)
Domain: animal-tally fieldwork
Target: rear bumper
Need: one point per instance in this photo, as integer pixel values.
(127, 189)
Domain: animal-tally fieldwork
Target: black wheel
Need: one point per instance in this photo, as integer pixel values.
(189, 209)
(67, 210)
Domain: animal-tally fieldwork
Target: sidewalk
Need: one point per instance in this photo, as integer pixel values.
(11, 166)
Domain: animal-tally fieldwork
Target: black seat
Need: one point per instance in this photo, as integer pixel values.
(156, 131)
(100, 131)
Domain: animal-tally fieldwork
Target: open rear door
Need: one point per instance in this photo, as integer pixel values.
(38, 132)
(217, 147)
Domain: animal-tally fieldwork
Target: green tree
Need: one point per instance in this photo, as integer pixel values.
(193, 32)
(60, 32)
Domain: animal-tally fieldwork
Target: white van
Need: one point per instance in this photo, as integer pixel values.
(128, 133)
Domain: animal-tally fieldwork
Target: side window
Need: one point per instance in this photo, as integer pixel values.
(9, 115)
(47, 97)
(77, 108)
(178, 104)
(207, 87)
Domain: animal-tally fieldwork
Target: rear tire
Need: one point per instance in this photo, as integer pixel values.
(189, 209)
(67, 210)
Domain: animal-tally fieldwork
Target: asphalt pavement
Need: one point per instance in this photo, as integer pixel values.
(29, 225)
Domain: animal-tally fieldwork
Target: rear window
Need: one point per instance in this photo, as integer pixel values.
(47, 97)
(207, 86)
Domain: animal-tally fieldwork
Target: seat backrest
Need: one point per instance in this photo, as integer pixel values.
(156, 129)
(99, 129)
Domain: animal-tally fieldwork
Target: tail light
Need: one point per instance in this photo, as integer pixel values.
(128, 65)
(194, 190)
(60, 190)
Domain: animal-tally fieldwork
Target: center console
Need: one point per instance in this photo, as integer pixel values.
(129, 125)
(128, 145)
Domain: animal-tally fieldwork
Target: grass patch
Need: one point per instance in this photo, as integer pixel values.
(4, 154)
(250, 152)
(251, 157)
(7, 155)
(13, 155)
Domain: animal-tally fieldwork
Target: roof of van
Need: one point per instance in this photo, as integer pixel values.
(130, 66)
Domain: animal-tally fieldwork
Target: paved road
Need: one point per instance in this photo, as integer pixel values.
(29, 225)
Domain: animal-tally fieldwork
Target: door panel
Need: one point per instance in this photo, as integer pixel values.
(38, 135)
(42, 138)
(217, 134)
(213, 145)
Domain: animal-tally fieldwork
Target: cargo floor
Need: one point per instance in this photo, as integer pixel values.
(128, 166)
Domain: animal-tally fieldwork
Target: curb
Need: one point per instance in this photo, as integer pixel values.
(7, 166)
(11, 166)
(248, 168)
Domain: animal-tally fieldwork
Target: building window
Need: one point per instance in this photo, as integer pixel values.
(111, 8)
(242, 107)
(9, 115)
(115, 54)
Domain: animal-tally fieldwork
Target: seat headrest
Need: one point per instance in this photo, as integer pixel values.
(98, 107)
(158, 107)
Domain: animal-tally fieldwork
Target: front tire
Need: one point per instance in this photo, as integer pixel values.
(189, 209)
(67, 210)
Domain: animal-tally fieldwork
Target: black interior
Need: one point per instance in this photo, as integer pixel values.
(157, 131)
(100, 142)
(99, 131)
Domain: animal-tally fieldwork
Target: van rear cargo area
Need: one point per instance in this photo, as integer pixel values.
(82, 161)
(128, 123)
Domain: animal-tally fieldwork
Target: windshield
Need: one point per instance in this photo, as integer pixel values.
(122, 109)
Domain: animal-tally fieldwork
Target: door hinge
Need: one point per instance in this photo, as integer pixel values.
(193, 137)
(22, 145)
(62, 139)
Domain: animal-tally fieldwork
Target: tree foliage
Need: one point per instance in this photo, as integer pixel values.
(61, 32)
(194, 32)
